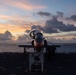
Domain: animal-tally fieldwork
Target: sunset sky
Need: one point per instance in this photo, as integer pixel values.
(56, 18)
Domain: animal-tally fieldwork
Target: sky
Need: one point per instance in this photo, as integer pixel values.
(55, 18)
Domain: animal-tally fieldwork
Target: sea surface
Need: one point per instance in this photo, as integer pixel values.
(65, 48)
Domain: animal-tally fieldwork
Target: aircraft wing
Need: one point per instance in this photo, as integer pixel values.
(28, 46)
(31, 46)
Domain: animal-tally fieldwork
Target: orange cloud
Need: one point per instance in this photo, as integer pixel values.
(22, 5)
(26, 6)
(13, 28)
(16, 23)
(4, 17)
(12, 17)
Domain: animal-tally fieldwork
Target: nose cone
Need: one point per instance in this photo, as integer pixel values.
(38, 40)
(39, 37)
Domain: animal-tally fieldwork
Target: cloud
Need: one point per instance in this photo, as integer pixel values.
(61, 40)
(13, 28)
(16, 20)
(27, 31)
(36, 27)
(73, 17)
(55, 26)
(44, 13)
(7, 36)
(58, 25)
(14, 17)
(23, 38)
(4, 17)
(24, 5)
(60, 14)
(27, 6)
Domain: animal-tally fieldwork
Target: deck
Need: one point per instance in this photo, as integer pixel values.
(17, 64)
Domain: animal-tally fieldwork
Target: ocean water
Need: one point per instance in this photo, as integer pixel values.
(7, 47)
(68, 48)
(4, 47)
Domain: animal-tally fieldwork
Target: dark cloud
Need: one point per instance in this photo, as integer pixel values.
(23, 38)
(6, 36)
(54, 26)
(73, 17)
(37, 27)
(58, 25)
(20, 38)
(59, 14)
(44, 13)
(27, 31)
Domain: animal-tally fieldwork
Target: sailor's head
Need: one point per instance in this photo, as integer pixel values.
(34, 33)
